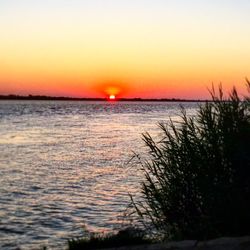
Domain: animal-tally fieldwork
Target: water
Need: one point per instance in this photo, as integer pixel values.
(63, 166)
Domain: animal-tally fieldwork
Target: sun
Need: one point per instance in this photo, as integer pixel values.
(111, 90)
(111, 97)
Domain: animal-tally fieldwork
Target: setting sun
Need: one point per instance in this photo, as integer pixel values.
(112, 97)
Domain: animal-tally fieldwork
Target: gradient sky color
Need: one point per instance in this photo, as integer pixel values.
(141, 48)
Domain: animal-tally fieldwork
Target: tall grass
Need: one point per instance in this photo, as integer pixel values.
(197, 181)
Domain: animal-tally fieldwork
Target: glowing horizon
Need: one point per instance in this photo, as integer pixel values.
(137, 48)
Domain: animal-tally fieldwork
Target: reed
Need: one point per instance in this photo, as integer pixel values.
(197, 180)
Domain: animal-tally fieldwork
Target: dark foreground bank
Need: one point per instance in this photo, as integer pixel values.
(240, 243)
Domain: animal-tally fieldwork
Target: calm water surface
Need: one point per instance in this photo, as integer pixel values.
(63, 165)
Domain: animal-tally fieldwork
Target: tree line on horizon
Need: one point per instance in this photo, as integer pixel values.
(63, 98)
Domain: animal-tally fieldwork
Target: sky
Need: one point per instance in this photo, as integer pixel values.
(129, 48)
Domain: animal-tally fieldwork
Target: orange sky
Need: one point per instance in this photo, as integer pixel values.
(138, 48)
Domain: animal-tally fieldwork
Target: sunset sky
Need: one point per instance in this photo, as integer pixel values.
(130, 48)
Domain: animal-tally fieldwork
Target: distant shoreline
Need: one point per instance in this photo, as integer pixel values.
(62, 98)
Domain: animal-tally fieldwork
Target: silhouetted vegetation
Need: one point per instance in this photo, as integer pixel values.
(47, 98)
(63, 98)
(124, 237)
(197, 178)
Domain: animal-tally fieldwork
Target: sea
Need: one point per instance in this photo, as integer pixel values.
(66, 166)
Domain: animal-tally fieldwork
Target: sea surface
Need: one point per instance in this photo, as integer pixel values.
(65, 166)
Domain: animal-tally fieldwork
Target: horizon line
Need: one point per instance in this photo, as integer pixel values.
(67, 98)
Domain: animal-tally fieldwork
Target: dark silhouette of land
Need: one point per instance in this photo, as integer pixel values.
(62, 98)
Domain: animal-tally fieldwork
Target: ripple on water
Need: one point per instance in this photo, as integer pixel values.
(63, 165)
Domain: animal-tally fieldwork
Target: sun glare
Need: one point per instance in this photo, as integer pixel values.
(112, 97)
